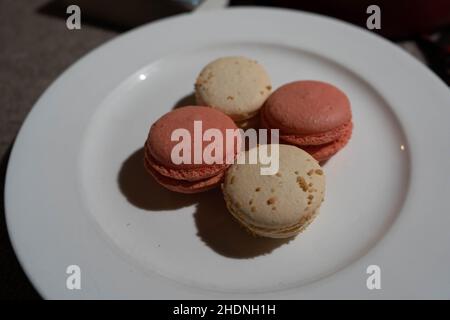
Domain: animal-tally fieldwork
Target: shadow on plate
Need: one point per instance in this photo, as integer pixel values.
(142, 191)
(188, 100)
(218, 230)
(215, 225)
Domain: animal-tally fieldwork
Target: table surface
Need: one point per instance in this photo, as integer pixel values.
(35, 47)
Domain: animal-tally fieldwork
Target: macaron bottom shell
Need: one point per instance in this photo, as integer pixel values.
(237, 118)
(286, 232)
(250, 123)
(321, 146)
(324, 152)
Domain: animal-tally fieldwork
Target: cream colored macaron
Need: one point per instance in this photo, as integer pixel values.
(237, 86)
(279, 205)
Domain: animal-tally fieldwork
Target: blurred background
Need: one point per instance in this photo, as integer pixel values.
(36, 46)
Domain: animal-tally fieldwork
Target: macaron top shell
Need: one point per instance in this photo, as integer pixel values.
(237, 86)
(307, 107)
(275, 201)
(160, 142)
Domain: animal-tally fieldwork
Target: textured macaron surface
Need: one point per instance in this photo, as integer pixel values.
(275, 203)
(307, 107)
(237, 86)
(161, 146)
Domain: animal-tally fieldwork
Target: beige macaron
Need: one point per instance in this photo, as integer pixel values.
(279, 205)
(237, 86)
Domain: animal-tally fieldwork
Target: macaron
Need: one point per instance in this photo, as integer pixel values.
(237, 86)
(313, 115)
(280, 205)
(197, 173)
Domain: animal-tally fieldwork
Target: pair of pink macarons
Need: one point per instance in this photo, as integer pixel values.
(312, 115)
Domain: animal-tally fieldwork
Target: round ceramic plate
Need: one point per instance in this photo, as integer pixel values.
(77, 193)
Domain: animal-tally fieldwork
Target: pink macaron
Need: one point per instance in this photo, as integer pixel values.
(313, 115)
(197, 174)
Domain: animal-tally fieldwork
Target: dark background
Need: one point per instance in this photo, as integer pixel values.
(36, 46)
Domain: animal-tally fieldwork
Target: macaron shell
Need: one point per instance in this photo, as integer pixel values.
(160, 144)
(307, 107)
(275, 203)
(183, 186)
(237, 86)
(292, 231)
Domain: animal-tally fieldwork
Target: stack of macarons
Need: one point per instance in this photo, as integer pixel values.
(188, 177)
(314, 120)
(312, 115)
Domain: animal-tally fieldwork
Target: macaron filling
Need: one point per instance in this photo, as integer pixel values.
(184, 186)
(326, 151)
(190, 174)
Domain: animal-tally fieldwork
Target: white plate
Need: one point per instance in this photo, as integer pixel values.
(76, 192)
